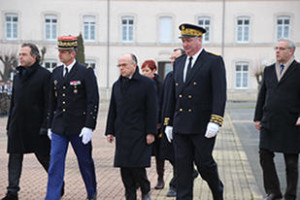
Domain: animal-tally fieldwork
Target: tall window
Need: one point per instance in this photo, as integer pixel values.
(11, 27)
(243, 30)
(283, 27)
(91, 63)
(165, 30)
(89, 28)
(241, 75)
(50, 27)
(50, 64)
(205, 23)
(127, 29)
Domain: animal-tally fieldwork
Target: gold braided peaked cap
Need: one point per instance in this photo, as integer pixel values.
(67, 42)
(190, 30)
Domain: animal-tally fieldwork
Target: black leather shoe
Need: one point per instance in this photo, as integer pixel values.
(146, 196)
(62, 191)
(160, 184)
(10, 196)
(172, 192)
(273, 196)
(93, 197)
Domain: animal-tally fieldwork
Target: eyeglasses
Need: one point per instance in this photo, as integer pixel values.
(123, 65)
(280, 48)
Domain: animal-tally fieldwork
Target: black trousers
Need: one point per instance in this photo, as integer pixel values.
(270, 177)
(15, 168)
(195, 148)
(133, 176)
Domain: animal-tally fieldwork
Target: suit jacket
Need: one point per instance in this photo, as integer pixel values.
(74, 100)
(27, 123)
(201, 98)
(278, 108)
(132, 115)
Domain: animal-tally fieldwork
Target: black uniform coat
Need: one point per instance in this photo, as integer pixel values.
(193, 103)
(278, 108)
(132, 115)
(74, 100)
(26, 126)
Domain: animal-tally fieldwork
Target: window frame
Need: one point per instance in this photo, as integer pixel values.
(14, 29)
(243, 26)
(283, 18)
(52, 24)
(242, 74)
(207, 28)
(90, 22)
(129, 34)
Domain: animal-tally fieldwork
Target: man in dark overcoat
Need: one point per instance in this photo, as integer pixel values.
(26, 126)
(277, 116)
(195, 112)
(132, 120)
(72, 117)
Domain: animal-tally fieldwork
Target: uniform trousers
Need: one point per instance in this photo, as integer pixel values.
(270, 177)
(133, 176)
(196, 148)
(59, 147)
(15, 168)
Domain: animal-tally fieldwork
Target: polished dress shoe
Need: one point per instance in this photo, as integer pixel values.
(146, 196)
(172, 192)
(160, 184)
(10, 196)
(93, 197)
(273, 196)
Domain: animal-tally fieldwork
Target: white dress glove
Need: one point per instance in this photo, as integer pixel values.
(169, 133)
(211, 130)
(49, 134)
(86, 134)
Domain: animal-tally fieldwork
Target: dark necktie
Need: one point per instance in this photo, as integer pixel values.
(67, 71)
(189, 68)
(124, 83)
(281, 68)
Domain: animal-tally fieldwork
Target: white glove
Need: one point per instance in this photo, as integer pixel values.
(49, 134)
(211, 130)
(86, 134)
(169, 133)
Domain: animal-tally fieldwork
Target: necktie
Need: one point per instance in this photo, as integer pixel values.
(281, 68)
(67, 71)
(189, 68)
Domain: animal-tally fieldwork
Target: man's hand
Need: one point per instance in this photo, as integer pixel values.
(169, 133)
(211, 130)
(110, 138)
(49, 134)
(86, 134)
(298, 122)
(150, 138)
(257, 124)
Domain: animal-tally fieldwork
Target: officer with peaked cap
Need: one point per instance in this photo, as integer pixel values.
(195, 114)
(72, 118)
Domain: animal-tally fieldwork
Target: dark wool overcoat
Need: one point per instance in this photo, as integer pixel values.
(26, 127)
(278, 108)
(132, 115)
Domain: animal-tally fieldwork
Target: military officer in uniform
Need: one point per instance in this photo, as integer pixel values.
(195, 112)
(72, 116)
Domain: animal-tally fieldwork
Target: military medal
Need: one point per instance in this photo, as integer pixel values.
(74, 84)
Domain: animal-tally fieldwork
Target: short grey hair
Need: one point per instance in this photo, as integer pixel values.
(291, 44)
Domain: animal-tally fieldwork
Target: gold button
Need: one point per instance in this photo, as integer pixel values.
(180, 110)
(190, 96)
(176, 84)
(64, 102)
(190, 110)
(64, 110)
(195, 83)
(64, 87)
(180, 95)
(84, 113)
(63, 94)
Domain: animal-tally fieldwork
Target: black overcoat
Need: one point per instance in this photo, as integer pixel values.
(278, 108)
(26, 126)
(132, 115)
(74, 100)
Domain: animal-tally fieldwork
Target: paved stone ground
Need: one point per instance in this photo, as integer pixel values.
(233, 165)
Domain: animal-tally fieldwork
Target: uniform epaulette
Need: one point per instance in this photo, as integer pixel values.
(166, 122)
(214, 53)
(216, 119)
(54, 68)
(89, 66)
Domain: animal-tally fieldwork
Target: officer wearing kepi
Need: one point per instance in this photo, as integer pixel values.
(72, 116)
(195, 112)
